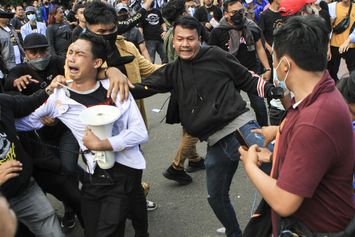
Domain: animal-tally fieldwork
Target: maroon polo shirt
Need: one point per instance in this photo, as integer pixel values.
(316, 158)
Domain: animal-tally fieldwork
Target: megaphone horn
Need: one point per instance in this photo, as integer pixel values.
(100, 120)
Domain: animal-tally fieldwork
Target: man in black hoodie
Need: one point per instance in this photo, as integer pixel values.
(204, 83)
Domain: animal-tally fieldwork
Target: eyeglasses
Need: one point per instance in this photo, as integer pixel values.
(240, 11)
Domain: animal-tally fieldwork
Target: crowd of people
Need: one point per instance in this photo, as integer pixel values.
(58, 58)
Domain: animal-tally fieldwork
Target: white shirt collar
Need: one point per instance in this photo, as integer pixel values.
(296, 104)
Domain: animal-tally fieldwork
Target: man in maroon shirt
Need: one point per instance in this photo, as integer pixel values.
(314, 154)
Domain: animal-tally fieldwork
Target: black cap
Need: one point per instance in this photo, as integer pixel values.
(6, 14)
(35, 40)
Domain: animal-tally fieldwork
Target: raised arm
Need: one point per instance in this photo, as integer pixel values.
(158, 82)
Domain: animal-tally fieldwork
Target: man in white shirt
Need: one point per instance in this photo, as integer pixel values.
(32, 26)
(107, 194)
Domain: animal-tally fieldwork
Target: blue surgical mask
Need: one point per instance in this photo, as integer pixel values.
(276, 80)
(31, 17)
(191, 11)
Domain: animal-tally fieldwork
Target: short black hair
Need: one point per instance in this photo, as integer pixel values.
(304, 39)
(346, 87)
(227, 3)
(78, 6)
(100, 13)
(188, 22)
(173, 9)
(99, 46)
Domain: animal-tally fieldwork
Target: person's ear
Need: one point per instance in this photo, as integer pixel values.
(286, 64)
(98, 63)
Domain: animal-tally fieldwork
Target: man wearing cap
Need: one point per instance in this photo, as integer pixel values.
(10, 44)
(39, 69)
(32, 26)
(296, 7)
(133, 35)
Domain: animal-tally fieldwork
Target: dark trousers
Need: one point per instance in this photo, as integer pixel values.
(108, 197)
(63, 186)
(259, 107)
(334, 63)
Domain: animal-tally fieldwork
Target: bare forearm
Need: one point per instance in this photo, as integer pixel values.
(263, 58)
(268, 47)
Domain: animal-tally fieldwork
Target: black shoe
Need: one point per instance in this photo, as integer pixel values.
(67, 222)
(195, 166)
(179, 176)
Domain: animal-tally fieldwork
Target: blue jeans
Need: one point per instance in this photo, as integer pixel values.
(156, 46)
(33, 209)
(221, 164)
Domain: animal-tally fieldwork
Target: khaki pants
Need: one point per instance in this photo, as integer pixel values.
(140, 104)
(187, 149)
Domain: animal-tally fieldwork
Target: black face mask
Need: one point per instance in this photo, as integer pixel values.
(111, 38)
(123, 17)
(239, 19)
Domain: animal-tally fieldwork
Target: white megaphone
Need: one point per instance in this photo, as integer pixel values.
(100, 120)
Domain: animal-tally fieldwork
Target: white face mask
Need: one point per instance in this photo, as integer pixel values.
(31, 17)
(281, 83)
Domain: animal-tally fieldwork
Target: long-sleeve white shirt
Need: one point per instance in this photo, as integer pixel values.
(128, 131)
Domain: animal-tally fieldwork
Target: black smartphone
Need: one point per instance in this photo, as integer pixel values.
(241, 139)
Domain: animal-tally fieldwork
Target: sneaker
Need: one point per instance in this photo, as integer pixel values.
(67, 222)
(221, 230)
(179, 176)
(151, 206)
(195, 166)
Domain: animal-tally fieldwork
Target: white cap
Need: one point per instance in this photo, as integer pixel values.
(121, 6)
(248, 1)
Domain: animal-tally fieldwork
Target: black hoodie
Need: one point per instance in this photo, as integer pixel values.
(12, 107)
(205, 93)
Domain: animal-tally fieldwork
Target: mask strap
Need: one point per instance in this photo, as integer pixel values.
(289, 67)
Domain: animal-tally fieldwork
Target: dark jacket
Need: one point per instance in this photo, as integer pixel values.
(204, 91)
(59, 38)
(12, 107)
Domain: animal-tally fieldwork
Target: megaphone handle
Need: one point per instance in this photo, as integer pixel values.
(100, 156)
